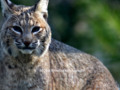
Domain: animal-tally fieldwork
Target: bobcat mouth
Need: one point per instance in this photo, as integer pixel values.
(26, 48)
(26, 51)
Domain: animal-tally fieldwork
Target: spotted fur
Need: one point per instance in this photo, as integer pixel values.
(31, 60)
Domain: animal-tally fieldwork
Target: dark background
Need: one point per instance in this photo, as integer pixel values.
(93, 26)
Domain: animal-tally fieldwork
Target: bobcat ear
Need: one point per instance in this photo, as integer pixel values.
(41, 7)
(6, 7)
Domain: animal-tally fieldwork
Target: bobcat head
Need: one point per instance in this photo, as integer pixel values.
(25, 29)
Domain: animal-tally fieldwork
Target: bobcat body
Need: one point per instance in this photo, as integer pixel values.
(31, 60)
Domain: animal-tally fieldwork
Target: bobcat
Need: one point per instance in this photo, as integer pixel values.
(31, 60)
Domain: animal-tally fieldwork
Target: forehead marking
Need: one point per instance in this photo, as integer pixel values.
(29, 15)
(24, 19)
(31, 22)
(23, 22)
(31, 19)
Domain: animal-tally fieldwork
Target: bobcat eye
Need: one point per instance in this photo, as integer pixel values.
(17, 29)
(36, 29)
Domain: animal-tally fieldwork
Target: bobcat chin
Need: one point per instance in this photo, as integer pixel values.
(31, 60)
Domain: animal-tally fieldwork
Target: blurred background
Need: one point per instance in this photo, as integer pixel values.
(92, 26)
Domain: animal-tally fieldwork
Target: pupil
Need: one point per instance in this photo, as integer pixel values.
(18, 29)
(36, 29)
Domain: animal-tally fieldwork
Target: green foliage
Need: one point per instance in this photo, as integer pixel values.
(92, 26)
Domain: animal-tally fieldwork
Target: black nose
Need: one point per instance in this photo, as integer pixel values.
(27, 43)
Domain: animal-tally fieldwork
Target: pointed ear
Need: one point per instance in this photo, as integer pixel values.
(6, 7)
(41, 7)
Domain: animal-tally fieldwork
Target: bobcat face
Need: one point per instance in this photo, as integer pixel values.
(27, 34)
(25, 29)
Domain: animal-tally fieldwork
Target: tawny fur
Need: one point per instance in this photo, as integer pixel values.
(53, 65)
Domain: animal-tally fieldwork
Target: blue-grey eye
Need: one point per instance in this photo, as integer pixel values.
(36, 29)
(17, 29)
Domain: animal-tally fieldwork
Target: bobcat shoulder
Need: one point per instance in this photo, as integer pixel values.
(32, 60)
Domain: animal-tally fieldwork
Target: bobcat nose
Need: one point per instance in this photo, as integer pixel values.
(26, 43)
